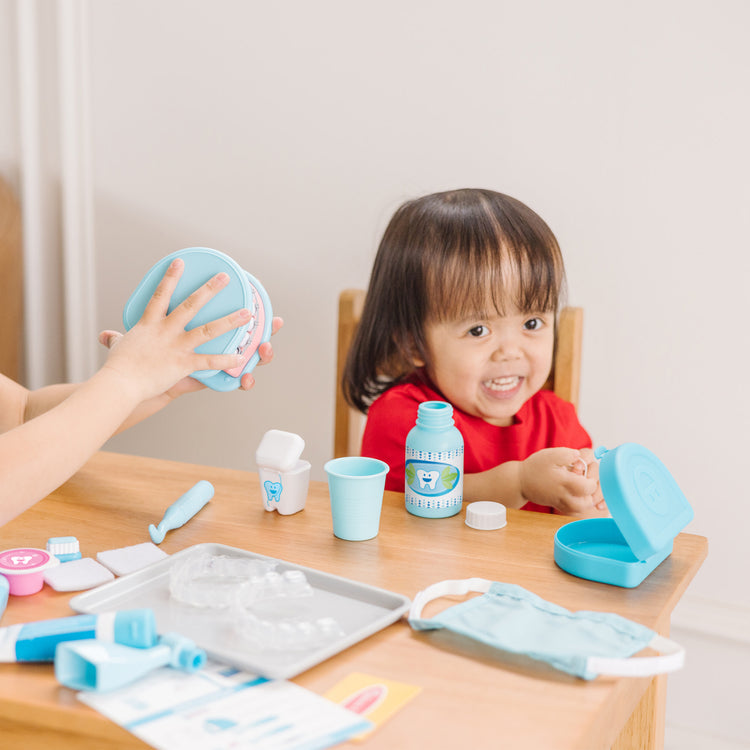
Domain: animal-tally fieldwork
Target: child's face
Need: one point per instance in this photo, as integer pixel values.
(488, 367)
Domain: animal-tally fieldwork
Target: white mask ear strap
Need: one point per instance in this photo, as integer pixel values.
(447, 588)
(642, 666)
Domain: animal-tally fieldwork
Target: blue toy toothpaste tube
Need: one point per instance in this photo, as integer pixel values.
(37, 641)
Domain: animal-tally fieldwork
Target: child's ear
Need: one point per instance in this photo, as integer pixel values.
(410, 352)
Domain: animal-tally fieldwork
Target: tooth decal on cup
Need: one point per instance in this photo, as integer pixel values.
(273, 491)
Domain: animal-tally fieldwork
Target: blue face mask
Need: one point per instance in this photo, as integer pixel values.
(512, 619)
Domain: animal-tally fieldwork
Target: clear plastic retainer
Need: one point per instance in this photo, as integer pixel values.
(269, 609)
(206, 580)
(288, 634)
(272, 613)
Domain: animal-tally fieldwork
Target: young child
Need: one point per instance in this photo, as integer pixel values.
(47, 435)
(461, 307)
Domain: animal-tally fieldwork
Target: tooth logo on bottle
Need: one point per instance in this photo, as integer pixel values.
(430, 477)
(427, 479)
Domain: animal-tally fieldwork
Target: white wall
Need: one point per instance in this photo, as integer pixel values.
(286, 134)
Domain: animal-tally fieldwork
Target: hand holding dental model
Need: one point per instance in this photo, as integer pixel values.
(48, 434)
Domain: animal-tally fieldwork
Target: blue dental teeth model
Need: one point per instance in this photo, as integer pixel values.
(242, 291)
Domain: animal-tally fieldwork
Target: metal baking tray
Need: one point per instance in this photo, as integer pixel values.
(359, 609)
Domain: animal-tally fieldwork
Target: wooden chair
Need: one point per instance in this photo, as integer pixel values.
(564, 379)
(11, 284)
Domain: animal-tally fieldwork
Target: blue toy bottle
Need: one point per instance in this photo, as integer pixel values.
(434, 471)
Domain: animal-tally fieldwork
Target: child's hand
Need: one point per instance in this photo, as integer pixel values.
(592, 471)
(247, 381)
(157, 354)
(588, 466)
(548, 477)
(188, 384)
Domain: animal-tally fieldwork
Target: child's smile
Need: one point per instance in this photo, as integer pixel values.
(504, 387)
(489, 367)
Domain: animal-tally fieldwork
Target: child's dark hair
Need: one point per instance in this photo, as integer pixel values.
(446, 256)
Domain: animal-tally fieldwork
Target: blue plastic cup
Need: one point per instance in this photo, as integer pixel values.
(356, 486)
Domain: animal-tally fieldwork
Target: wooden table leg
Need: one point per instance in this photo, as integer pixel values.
(645, 727)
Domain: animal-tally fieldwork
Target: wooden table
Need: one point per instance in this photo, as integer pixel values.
(469, 697)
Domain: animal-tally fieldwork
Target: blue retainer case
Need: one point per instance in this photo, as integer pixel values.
(648, 511)
(242, 291)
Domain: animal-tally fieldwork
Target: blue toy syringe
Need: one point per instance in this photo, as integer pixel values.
(182, 510)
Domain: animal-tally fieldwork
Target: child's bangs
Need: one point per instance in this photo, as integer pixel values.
(484, 282)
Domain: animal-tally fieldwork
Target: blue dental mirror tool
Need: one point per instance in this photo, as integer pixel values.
(243, 290)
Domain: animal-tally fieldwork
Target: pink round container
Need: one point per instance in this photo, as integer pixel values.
(24, 568)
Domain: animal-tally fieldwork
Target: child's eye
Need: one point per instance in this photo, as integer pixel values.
(478, 331)
(533, 324)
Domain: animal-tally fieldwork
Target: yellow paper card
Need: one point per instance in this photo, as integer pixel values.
(371, 697)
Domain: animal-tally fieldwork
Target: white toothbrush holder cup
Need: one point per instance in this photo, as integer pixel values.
(285, 491)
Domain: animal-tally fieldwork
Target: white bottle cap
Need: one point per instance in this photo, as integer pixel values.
(486, 515)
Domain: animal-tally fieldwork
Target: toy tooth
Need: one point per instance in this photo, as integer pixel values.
(284, 476)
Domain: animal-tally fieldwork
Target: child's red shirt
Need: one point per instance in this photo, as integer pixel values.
(544, 421)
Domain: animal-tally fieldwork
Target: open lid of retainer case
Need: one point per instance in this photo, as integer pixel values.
(243, 290)
(648, 511)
